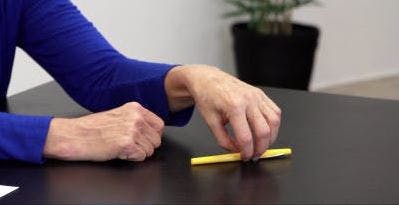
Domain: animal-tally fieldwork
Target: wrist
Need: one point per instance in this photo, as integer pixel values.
(177, 87)
(58, 145)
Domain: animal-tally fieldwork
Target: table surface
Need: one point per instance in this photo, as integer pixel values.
(345, 151)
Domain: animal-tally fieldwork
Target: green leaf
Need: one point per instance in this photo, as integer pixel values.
(239, 4)
(234, 14)
(266, 15)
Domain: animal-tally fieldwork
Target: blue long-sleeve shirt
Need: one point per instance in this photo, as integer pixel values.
(91, 71)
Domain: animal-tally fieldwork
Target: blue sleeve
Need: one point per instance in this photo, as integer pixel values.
(22, 137)
(89, 69)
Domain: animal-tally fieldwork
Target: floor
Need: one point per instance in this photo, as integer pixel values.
(385, 88)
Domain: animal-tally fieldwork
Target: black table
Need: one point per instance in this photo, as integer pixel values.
(345, 151)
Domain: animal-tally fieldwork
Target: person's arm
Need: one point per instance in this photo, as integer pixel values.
(22, 137)
(98, 77)
(89, 69)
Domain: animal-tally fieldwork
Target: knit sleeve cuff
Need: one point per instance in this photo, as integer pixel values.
(157, 100)
(23, 137)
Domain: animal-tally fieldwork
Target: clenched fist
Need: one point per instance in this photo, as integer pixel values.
(129, 132)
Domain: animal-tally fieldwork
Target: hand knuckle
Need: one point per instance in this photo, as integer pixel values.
(244, 141)
(157, 143)
(161, 130)
(125, 143)
(259, 91)
(235, 106)
(138, 121)
(278, 111)
(263, 133)
(275, 120)
(161, 124)
(248, 94)
(135, 132)
(127, 105)
(254, 94)
(140, 158)
(133, 105)
(137, 155)
(149, 152)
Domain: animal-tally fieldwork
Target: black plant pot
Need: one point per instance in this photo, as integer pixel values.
(275, 60)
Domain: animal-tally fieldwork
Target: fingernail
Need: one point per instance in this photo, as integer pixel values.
(255, 159)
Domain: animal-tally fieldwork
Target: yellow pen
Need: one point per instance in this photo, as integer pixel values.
(237, 157)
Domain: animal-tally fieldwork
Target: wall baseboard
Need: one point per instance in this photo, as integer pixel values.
(353, 79)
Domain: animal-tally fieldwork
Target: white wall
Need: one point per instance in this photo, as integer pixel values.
(360, 37)
(360, 40)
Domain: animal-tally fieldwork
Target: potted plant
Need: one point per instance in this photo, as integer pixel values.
(271, 50)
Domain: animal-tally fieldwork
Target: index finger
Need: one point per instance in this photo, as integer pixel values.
(243, 135)
(271, 103)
